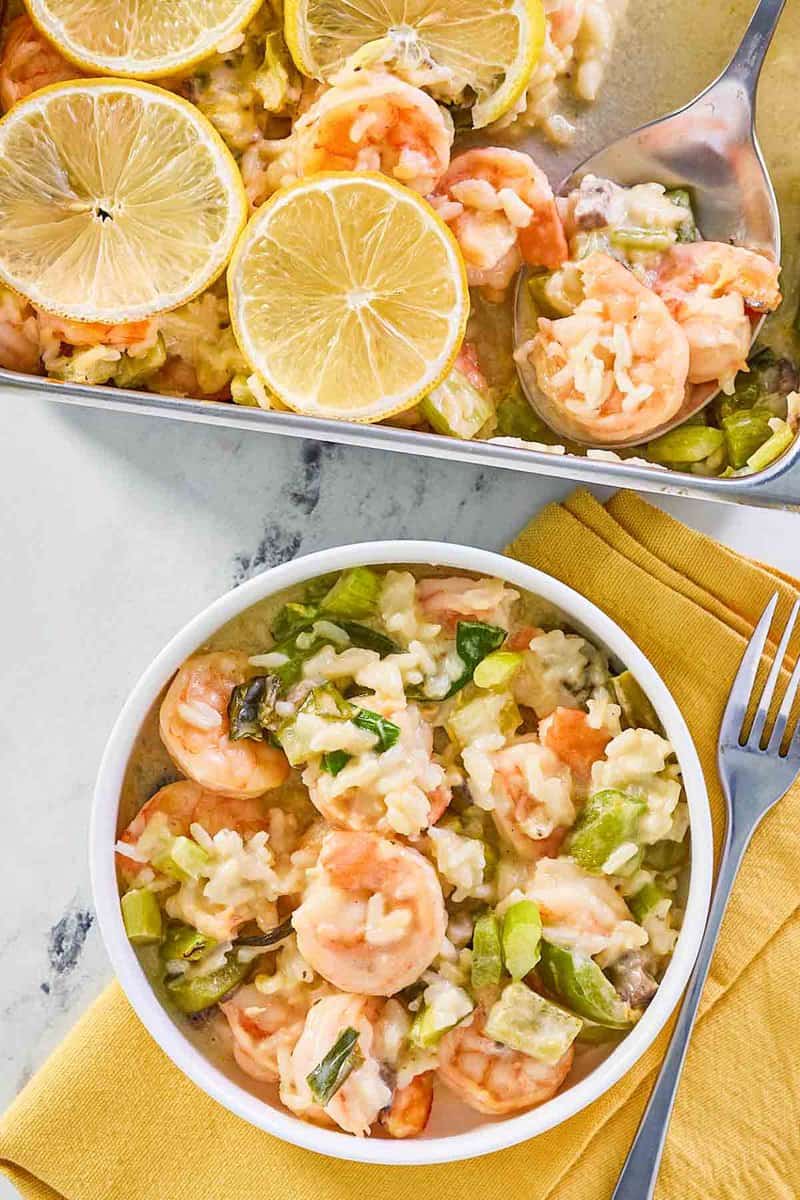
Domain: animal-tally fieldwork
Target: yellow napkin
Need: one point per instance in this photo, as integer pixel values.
(109, 1118)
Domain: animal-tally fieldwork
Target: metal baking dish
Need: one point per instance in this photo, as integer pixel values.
(655, 68)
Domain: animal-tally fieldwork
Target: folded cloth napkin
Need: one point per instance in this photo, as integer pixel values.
(110, 1118)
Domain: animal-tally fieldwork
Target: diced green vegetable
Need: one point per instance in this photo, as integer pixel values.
(687, 444)
(628, 238)
(745, 431)
(385, 731)
(631, 865)
(687, 231)
(777, 444)
(492, 712)
(333, 761)
(132, 370)
(369, 639)
(607, 820)
(516, 419)
(537, 288)
(474, 641)
(598, 1035)
(637, 711)
(293, 618)
(251, 708)
(527, 1022)
(141, 917)
(646, 900)
(324, 701)
(183, 859)
(182, 943)
(497, 669)
(666, 855)
(522, 935)
(577, 981)
(195, 994)
(327, 701)
(328, 1076)
(596, 241)
(487, 955)
(354, 595)
(456, 408)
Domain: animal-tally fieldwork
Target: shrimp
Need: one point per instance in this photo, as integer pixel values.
(564, 20)
(376, 123)
(19, 335)
(194, 729)
(141, 335)
(568, 733)
(373, 917)
(364, 1094)
(582, 911)
(179, 378)
(173, 810)
(501, 209)
(262, 1027)
(711, 288)
(408, 1113)
(29, 62)
(401, 790)
(492, 1078)
(458, 597)
(617, 367)
(532, 802)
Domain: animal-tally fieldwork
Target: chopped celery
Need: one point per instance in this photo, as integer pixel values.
(497, 669)
(385, 731)
(596, 241)
(182, 943)
(637, 711)
(666, 855)
(631, 865)
(141, 917)
(628, 238)
(293, 618)
(577, 981)
(608, 820)
(487, 955)
(687, 231)
(324, 701)
(474, 641)
(333, 761)
(329, 1074)
(522, 935)
(525, 1021)
(777, 444)
(327, 701)
(435, 1019)
(598, 1035)
(354, 595)
(713, 465)
(537, 288)
(456, 408)
(196, 993)
(184, 859)
(687, 444)
(251, 708)
(646, 900)
(131, 371)
(490, 713)
(516, 419)
(745, 431)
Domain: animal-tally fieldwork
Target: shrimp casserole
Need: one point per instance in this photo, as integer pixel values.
(403, 831)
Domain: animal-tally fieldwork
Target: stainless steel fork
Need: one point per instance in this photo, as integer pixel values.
(753, 779)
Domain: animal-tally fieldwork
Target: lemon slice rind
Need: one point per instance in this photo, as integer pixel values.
(321, 44)
(295, 336)
(72, 44)
(54, 248)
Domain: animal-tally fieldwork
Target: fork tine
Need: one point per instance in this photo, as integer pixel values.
(739, 699)
(783, 715)
(760, 719)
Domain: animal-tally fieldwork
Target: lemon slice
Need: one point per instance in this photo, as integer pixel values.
(489, 46)
(348, 296)
(118, 200)
(144, 38)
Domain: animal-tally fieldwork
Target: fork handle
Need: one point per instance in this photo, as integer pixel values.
(745, 66)
(638, 1177)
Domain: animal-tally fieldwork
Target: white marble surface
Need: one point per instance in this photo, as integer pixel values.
(114, 530)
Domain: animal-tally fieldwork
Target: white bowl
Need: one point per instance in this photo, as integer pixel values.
(485, 1136)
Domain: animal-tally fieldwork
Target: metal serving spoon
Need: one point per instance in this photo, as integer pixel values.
(710, 147)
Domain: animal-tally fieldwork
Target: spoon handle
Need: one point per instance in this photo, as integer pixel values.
(745, 66)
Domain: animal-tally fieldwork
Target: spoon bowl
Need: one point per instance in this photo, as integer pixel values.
(710, 148)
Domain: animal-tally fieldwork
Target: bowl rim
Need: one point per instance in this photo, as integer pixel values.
(103, 833)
